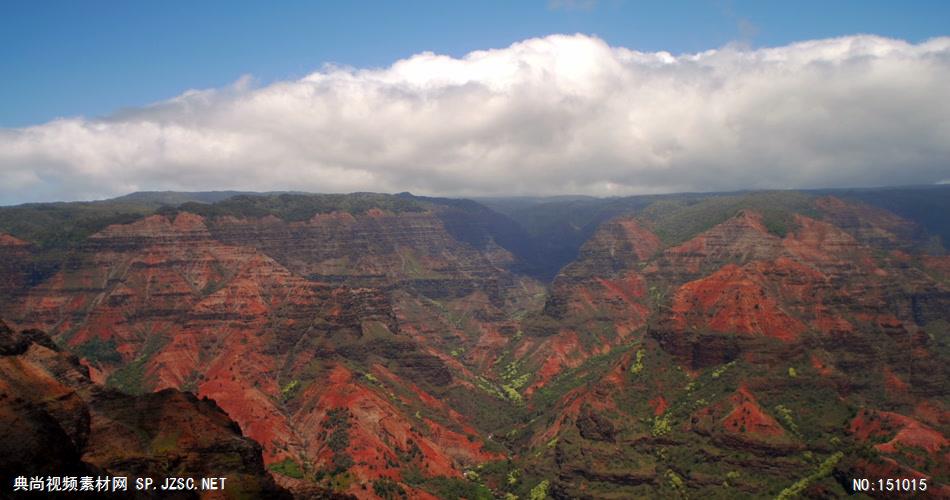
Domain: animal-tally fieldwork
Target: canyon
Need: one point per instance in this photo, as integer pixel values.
(386, 346)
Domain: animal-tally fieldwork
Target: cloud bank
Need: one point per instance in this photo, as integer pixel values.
(553, 115)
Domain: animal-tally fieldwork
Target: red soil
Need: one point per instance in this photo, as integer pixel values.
(378, 428)
(743, 237)
(902, 430)
(563, 350)
(7, 240)
(645, 242)
(747, 417)
(659, 405)
(893, 383)
(820, 366)
(820, 243)
(733, 300)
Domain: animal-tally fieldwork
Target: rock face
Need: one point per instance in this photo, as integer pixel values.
(733, 299)
(742, 238)
(366, 250)
(56, 421)
(754, 350)
(596, 302)
(872, 226)
(14, 271)
(280, 322)
(385, 346)
(606, 270)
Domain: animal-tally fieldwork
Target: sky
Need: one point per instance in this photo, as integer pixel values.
(602, 97)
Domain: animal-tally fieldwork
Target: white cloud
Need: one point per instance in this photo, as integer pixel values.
(561, 114)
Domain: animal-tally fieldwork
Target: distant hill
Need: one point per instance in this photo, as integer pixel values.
(545, 233)
(925, 205)
(176, 198)
(559, 225)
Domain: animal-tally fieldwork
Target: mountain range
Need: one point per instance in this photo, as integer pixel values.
(732, 345)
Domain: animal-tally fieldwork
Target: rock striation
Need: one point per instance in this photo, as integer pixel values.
(57, 422)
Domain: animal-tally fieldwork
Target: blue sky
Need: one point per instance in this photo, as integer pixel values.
(603, 97)
(92, 58)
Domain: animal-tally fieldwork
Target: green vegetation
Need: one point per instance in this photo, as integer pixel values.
(939, 333)
(450, 487)
(676, 482)
(296, 207)
(512, 394)
(507, 391)
(592, 369)
(375, 330)
(732, 476)
(489, 388)
(61, 225)
(340, 482)
(637, 366)
(99, 351)
(661, 425)
(472, 475)
(722, 369)
(786, 416)
(513, 381)
(490, 411)
(679, 218)
(289, 390)
(337, 425)
(288, 467)
(512, 376)
(826, 467)
(540, 492)
(388, 489)
(339, 437)
(132, 378)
